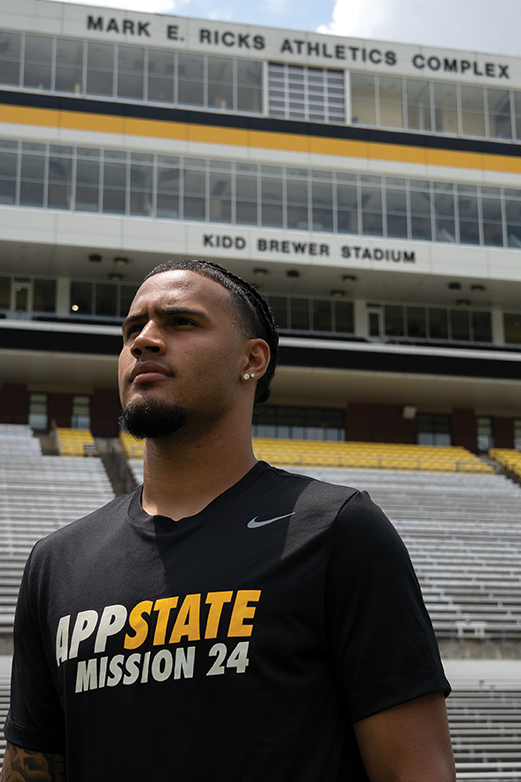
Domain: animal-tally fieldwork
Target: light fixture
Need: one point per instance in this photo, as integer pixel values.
(75, 308)
(455, 286)
(292, 273)
(463, 302)
(348, 278)
(121, 261)
(260, 272)
(478, 288)
(95, 258)
(113, 277)
(338, 294)
(409, 412)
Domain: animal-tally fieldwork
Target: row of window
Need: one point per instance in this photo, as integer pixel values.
(67, 65)
(39, 416)
(88, 179)
(166, 77)
(27, 295)
(439, 107)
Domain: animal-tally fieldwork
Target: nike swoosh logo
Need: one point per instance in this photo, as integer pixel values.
(254, 523)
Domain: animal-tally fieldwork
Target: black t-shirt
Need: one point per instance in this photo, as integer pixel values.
(237, 645)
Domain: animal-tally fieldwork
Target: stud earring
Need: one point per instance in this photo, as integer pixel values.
(248, 375)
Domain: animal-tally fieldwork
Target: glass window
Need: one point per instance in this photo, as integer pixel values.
(499, 115)
(416, 322)
(418, 104)
(445, 107)
(279, 308)
(80, 412)
(114, 187)
(322, 315)
(438, 328)
(194, 183)
(271, 197)
(38, 411)
(220, 83)
(161, 69)
(81, 298)
(38, 62)
(191, 79)
(306, 423)
(468, 218)
(485, 433)
(517, 114)
(126, 295)
(87, 185)
(8, 166)
(168, 177)
(421, 226)
(221, 196)
(344, 322)
(444, 214)
(100, 69)
(249, 86)
(513, 219)
(245, 196)
(32, 177)
(69, 66)
(391, 101)
(300, 320)
(433, 429)
(106, 300)
(322, 205)
(481, 326)
(141, 185)
(472, 111)
(10, 58)
(44, 295)
(459, 325)
(396, 212)
(347, 206)
(131, 72)
(394, 326)
(60, 182)
(492, 222)
(374, 324)
(512, 328)
(372, 219)
(363, 99)
(5, 293)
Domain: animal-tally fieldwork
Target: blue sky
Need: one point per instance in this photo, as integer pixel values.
(478, 25)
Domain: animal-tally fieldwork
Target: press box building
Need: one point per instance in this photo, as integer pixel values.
(371, 191)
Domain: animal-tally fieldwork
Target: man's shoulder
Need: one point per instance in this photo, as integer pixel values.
(315, 488)
(95, 526)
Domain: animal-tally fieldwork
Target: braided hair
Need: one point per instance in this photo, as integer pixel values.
(253, 310)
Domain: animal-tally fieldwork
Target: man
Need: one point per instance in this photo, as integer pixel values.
(228, 621)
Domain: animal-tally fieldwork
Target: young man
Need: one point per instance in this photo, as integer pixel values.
(228, 621)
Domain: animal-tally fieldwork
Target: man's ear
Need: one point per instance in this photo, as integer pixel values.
(257, 358)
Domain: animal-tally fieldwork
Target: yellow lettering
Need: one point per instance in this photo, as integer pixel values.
(138, 624)
(163, 607)
(187, 621)
(216, 601)
(242, 611)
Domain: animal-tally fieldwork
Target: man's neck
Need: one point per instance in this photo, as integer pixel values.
(182, 474)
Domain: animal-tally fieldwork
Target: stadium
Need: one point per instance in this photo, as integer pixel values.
(371, 192)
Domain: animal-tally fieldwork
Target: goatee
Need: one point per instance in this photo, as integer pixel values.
(152, 419)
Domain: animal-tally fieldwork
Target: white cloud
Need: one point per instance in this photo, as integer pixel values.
(459, 24)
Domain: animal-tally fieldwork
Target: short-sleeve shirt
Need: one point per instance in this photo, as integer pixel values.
(240, 644)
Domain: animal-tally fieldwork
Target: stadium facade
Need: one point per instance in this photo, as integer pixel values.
(371, 191)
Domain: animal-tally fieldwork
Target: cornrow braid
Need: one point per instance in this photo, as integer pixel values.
(254, 310)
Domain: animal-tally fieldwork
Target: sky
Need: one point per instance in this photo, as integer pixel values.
(476, 25)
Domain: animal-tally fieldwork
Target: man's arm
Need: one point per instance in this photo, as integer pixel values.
(408, 743)
(24, 765)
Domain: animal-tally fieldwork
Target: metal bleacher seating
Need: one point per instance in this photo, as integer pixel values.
(75, 442)
(464, 536)
(38, 494)
(508, 458)
(377, 456)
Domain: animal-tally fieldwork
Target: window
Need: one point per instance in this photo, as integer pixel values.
(38, 411)
(102, 299)
(80, 412)
(512, 327)
(485, 434)
(299, 423)
(517, 434)
(433, 429)
(300, 92)
(44, 295)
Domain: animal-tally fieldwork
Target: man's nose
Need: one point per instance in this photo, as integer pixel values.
(149, 340)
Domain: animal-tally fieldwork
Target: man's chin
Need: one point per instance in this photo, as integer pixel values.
(152, 419)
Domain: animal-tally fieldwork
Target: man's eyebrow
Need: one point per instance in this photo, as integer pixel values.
(162, 312)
